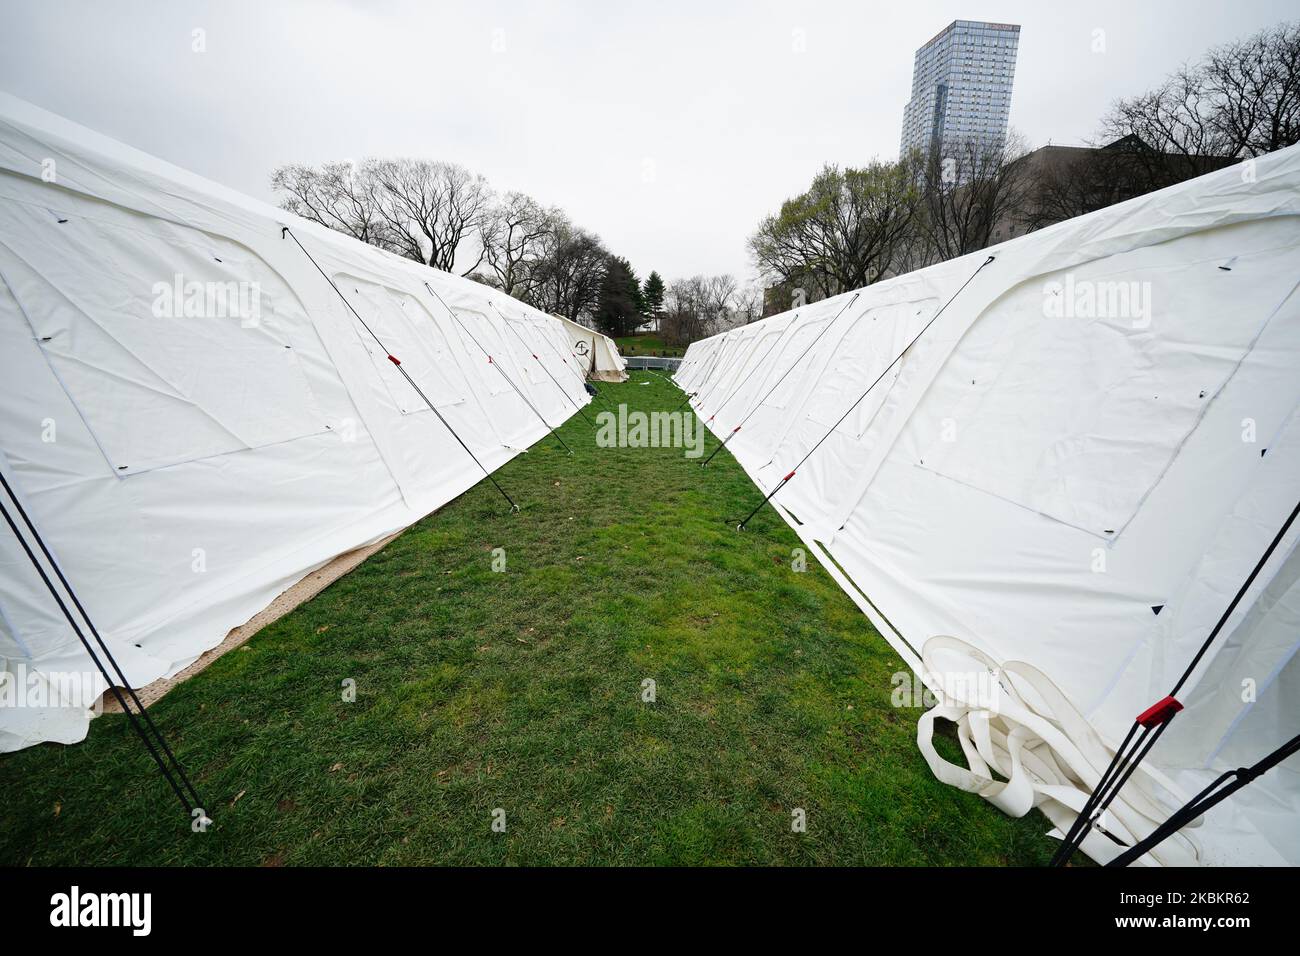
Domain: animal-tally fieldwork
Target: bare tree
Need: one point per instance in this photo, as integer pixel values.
(442, 215)
(967, 192)
(748, 303)
(1078, 182)
(431, 208)
(685, 312)
(1255, 87)
(698, 307)
(719, 298)
(1171, 133)
(1241, 99)
(337, 195)
(514, 235)
(568, 274)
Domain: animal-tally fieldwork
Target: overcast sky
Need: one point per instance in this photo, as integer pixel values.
(667, 128)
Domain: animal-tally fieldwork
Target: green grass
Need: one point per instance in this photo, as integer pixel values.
(648, 344)
(522, 691)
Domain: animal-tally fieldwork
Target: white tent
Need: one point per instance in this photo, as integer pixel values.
(1076, 467)
(596, 351)
(194, 417)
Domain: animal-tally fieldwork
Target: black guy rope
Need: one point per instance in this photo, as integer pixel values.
(858, 401)
(721, 370)
(496, 365)
(708, 364)
(756, 407)
(1153, 721)
(802, 355)
(581, 377)
(544, 368)
(736, 391)
(141, 721)
(286, 231)
(1214, 794)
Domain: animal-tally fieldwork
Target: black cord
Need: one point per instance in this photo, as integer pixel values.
(170, 767)
(1207, 798)
(858, 401)
(497, 365)
(1126, 759)
(733, 394)
(286, 231)
(553, 379)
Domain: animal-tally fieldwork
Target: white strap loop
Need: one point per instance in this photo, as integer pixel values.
(1049, 756)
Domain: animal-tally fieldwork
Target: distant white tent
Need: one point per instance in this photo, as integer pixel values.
(195, 417)
(597, 352)
(1075, 467)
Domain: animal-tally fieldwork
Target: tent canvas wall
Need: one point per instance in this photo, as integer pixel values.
(196, 420)
(597, 352)
(1052, 476)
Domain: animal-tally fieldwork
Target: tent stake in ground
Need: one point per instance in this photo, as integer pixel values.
(455, 318)
(858, 401)
(286, 231)
(168, 765)
(544, 368)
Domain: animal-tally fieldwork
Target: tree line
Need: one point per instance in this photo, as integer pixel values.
(442, 215)
(855, 226)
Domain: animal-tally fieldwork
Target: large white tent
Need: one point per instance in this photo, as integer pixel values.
(1075, 467)
(597, 352)
(195, 418)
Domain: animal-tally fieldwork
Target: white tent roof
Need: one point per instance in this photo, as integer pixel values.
(597, 352)
(1054, 478)
(195, 420)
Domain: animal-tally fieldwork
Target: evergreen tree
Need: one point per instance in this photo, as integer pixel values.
(653, 293)
(618, 306)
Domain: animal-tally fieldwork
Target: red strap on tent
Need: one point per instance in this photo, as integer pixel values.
(534, 356)
(489, 360)
(736, 429)
(393, 359)
(788, 477)
(1159, 713)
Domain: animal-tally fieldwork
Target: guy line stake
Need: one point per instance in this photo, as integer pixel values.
(286, 231)
(455, 318)
(784, 481)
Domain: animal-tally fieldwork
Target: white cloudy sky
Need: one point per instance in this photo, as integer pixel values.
(576, 102)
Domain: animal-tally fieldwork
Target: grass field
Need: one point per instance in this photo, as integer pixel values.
(521, 690)
(647, 345)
